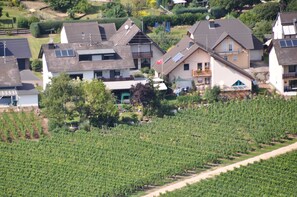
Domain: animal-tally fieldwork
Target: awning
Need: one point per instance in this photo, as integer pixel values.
(123, 85)
(160, 86)
(10, 92)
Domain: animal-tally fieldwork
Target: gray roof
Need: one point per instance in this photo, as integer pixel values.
(89, 32)
(123, 59)
(184, 50)
(82, 32)
(234, 28)
(125, 33)
(107, 30)
(285, 56)
(9, 72)
(18, 47)
(287, 17)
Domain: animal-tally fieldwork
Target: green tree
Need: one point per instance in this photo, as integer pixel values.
(64, 5)
(266, 11)
(261, 28)
(249, 18)
(99, 105)
(61, 98)
(292, 6)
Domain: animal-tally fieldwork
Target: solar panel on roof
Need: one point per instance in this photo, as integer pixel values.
(64, 53)
(282, 43)
(289, 43)
(70, 52)
(58, 53)
(294, 43)
(177, 57)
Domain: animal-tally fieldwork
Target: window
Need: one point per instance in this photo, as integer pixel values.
(186, 67)
(206, 65)
(235, 58)
(98, 74)
(207, 80)
(292, 68)
(199, 66)
(238, 83)
(76, 76)
(225, 57)
(145, 62)
(115, 73)
(230, 47)
(200, 80)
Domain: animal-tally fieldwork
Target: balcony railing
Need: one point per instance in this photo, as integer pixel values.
(201, 73)
(290, 89)
(289, 75)
(147, 54)
(116, 78)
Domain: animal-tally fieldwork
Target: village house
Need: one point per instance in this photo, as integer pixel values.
(282, 54)
(15, 54)
(214, 53)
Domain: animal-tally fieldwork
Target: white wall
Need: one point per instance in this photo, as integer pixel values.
(277, 29)
(46, 74)
(275, 72)
(199, 56)
(27, 100)
(63, 36)
(256, 55)
(225, 77)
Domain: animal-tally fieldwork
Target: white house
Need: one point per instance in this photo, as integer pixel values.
(190, 63)
(283, 65)
(86, 61)
(144, 51)
(285, 25)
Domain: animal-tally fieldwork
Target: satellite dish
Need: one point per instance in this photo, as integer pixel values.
(126, 27)
(207, 17)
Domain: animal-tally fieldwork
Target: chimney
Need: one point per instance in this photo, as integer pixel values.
(51, 46)
(211, 24)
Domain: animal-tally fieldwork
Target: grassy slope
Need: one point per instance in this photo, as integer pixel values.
(274, 177)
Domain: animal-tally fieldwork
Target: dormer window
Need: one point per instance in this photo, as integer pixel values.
(96, 54)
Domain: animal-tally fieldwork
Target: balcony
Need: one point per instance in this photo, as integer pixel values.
(116, 78)
(147, 54)
(289, 75)
(201, 73)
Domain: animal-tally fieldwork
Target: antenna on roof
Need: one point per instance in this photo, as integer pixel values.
(207, 17)
(126, 27)
(4, 52)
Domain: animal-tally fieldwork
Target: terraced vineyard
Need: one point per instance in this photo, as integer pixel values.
(17, 126)
(273, 177)
(122, 160)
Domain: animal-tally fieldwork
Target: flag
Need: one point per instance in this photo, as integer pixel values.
(160, 61)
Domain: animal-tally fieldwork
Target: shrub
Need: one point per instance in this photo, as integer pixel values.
(36, 65)
(35, 30)
(212, 95)
(191, 10)
(22, 22)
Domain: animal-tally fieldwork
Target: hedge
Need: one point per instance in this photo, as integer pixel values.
(182, 19)
(191, 10)
(40, 28)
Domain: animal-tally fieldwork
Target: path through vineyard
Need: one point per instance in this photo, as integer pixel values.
(214, 172)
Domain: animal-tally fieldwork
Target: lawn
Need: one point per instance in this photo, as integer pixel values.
(13, 12)
(35, 43)
(274, 177)
(122, 160)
